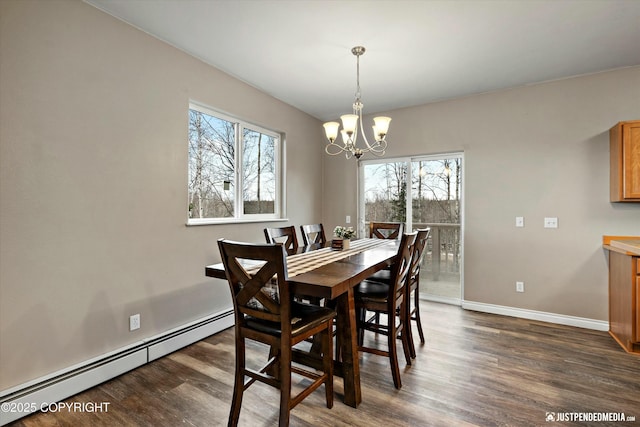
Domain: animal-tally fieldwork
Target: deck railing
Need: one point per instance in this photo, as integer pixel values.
(442, 258)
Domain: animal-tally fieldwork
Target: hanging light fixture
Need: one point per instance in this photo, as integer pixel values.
(349, 132)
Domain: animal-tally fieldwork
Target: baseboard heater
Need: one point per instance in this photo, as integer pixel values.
(30, 397)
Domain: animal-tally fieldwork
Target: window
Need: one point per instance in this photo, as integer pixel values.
(234, 169)
(415, 191)
(385, 191)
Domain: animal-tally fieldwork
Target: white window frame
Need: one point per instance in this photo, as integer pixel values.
(408, 160)
(239, 215)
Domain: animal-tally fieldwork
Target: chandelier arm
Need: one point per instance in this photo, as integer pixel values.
(375, 148)
(333, 144)
(378, 153)
(354, 137)
(369, 148)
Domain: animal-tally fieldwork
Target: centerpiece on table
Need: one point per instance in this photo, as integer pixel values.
(343, 237)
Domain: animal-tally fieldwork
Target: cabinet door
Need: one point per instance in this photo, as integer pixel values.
(631, 160)
(637, 311)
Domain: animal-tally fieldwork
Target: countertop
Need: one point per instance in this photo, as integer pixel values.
(629, 245)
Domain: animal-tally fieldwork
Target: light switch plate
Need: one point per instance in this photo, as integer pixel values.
(551, 223)
(519, 221)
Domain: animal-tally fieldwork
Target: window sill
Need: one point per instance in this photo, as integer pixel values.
(196, 223)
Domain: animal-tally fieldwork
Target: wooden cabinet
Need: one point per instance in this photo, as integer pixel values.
(637, 334)
(624, 145)
(624, 292)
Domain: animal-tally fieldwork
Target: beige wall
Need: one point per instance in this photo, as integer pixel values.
(93, 180)
(93, 185)
(537, 151)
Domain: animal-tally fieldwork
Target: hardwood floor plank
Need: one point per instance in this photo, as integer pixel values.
(476, 369)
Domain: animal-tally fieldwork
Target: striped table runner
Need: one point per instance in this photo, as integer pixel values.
(307, 261)
(301, 263)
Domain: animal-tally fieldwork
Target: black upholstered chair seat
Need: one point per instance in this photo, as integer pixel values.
(383, 276)
(303, 318)
(372, 291)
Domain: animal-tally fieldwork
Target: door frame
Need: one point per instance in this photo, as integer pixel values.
(362, 232)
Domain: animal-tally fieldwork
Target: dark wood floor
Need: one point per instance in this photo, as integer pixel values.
(476, 369)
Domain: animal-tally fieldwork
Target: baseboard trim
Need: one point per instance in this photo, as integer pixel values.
(187, 335)
(439, 299)
(34, 395)
(560, 319)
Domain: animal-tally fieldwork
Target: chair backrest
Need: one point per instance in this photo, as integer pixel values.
(313, 233)
(401, 269)
(418, 252)
(263, 294)
(285, 235)
(385, 230)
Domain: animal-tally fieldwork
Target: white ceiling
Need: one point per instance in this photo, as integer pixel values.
(418, 51)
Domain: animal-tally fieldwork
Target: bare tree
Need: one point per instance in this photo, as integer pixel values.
(211, 157)
(435, 191)
(433, 183)
(259, 178)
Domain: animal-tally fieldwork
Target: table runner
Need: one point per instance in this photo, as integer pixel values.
(307, 261)
(301, 263)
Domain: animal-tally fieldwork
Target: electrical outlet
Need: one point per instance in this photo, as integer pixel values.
(134, 322)
(348, 219)
(519, 286)
(551, 223)
(519, 221)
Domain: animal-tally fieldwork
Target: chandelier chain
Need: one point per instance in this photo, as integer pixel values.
(358, 93)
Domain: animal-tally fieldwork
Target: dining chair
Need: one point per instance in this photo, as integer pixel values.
(413, 286)
(268, 314)
(286, 235)
(385, 230)
(312, 234)
(388, 302)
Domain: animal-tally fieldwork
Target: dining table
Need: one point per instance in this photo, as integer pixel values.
(324, 272)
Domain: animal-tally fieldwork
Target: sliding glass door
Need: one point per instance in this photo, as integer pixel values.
(421, 191)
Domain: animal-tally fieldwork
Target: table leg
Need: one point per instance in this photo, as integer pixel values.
(347, 341)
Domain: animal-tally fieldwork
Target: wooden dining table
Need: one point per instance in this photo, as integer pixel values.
(322, 272)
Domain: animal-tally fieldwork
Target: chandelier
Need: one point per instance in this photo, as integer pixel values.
(349, 132)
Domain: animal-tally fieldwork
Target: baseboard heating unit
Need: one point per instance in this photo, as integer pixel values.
(24, 399)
